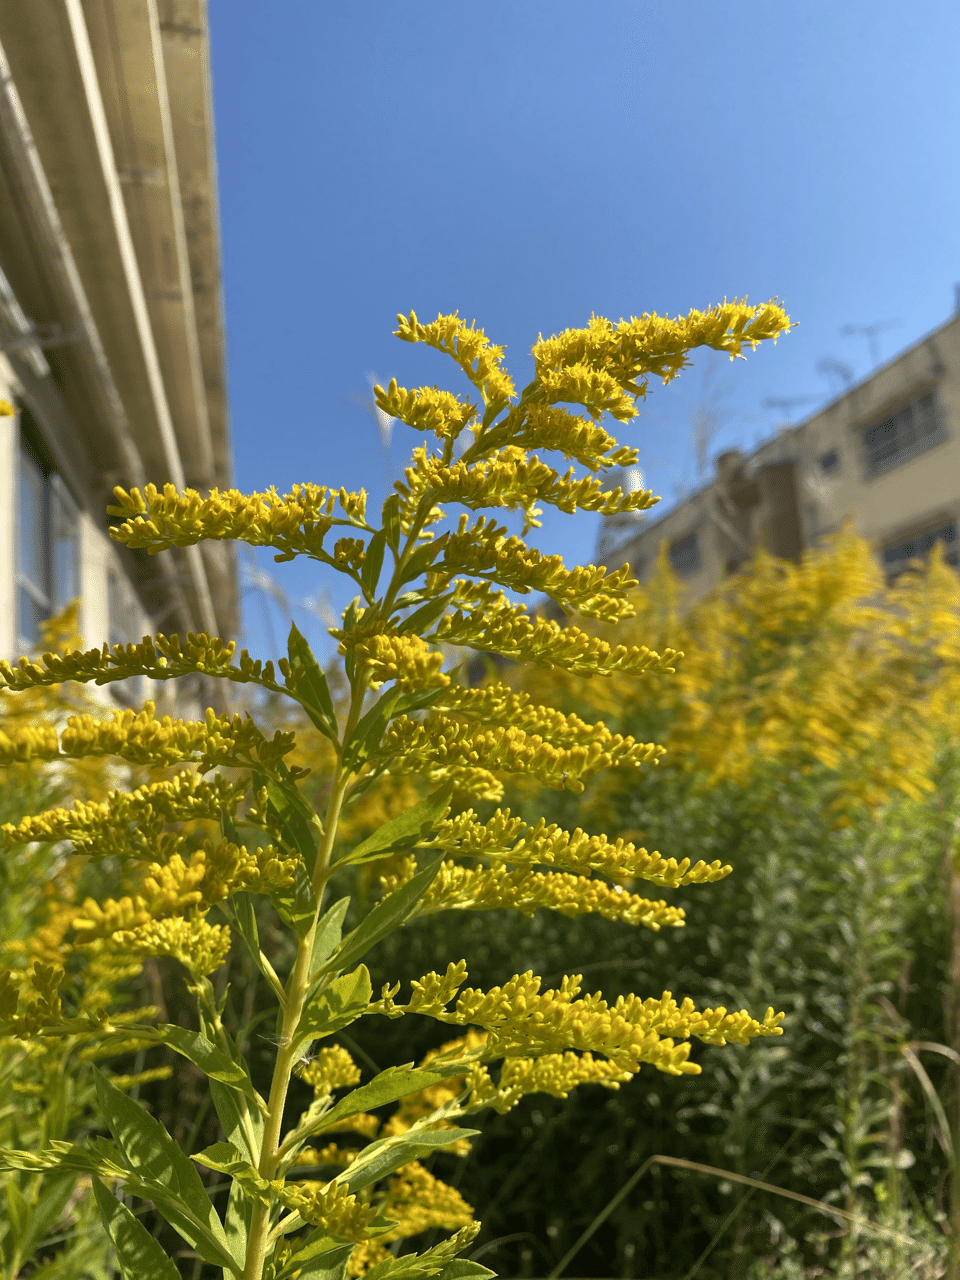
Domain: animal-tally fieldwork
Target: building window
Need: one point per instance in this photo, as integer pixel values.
(685, 555)
(48, 576)
(897, 555)
(830, 462)
(903, 435)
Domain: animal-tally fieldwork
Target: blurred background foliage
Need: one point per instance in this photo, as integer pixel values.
(812, 735)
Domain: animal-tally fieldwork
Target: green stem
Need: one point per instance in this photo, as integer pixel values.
(258, 1239)
(298, 986)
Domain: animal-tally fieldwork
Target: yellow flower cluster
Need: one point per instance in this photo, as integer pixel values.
(130, 823)
(402, 657)
(484, 551)
(625, 355)
(426, 409)
(143, 738)
(295, 523)
(510, 478)
(490, 623)
(412, 746)
(329, 1205)
(484, 888)
(497, 703)
(473, 351)
(200, 947)
(545, 426)
(331, 1068)
(418, 1201)
(554, 1073)
(523, 1022)
(174, 887)
(510, 838)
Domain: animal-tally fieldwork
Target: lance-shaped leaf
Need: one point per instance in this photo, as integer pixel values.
(328, 934)
(321, 1258)
(139, 1254)
(309, 682)
(370, 729)
(386, 1154)
(405, 831)
(225, 1158)
(293, 813)
(422, 619)
(247, 921)
(238, 1123)
(213, 1062)
(388, 1086)
(339, 1004)
(422, 559)
(175, 1186)
(373, 562)
(385, 916)
(296, 904)
(391, 521)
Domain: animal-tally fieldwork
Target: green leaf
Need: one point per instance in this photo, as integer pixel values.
(403, 832)
(385, 916)
(309, 682)
(139, 1255)
(296, 904)
(388, 1086)
(247, 921)
(59, 1155)
(294, 815)
(174, 1184)
(417, 700)
(225, 1158)
(424, 617)
(421, 560)
(373, 562)
(50, 1200)
(229, 1108)
(366, 737)
(18, 1209)
(236, 1221)
(213, 1062)
(391, 521)
(339, 1004)
(323, 1259)
(386, 1154)
(464, 1269)
(328, 935)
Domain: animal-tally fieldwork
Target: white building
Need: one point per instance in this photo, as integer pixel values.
(111, 328)
(885, 454)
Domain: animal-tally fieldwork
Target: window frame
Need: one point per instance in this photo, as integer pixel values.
(675, 554)
(878, 461)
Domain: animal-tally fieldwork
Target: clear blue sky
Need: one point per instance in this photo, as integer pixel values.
(527, 163)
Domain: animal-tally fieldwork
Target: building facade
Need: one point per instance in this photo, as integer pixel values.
(884, 455)
(111, 324)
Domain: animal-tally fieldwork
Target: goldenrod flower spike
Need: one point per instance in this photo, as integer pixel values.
(403, 748)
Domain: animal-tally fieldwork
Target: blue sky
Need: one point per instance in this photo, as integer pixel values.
(528, 163)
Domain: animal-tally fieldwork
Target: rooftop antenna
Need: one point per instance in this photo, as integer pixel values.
(839, 369)
(870, 332)
(786, 403)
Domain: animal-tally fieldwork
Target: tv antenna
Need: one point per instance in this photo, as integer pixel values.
(839, 369)
(786, 403)
(871, 332)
